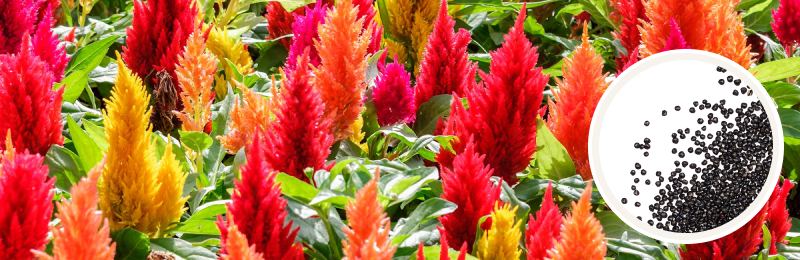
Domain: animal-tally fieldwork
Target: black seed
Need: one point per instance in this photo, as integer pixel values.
(633, 187)
(636, 180)
(735, 92)
(730, 78)
(743, 90)
(691, 110)
(664, 112)
(624, 201)
(638, 166)
(646, 154)
(650, 222)
(646, 123)
(699, 120)
(644, 172)
(677, 108)
(646, 140)
(633, 172)
(674, 150)
(737, 82)
(647, 182)
(637, 204)
(721, 81)
(681, 154)
(636, 193)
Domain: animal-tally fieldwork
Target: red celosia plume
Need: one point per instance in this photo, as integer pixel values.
(31, 109)
(630, 12)
(544, 231)
(279, 22)
(305, 32)
(738, 245)
(785, 26)
(502, 116)
(19, 19)
(445, 253)
(675, 40)
(445, 67)
(468, 185)
(45, 45)
(259, 211)
(23, 18)
(778, 219)
(392, 95)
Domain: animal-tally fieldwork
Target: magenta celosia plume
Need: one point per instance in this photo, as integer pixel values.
(502, 116)
(392, 95)
(787, 23)
(45, 45)
(544, 231)
(629, 11)
(675, 41)
(31, 109)
(22, 21)
(25, 205)
(778, 219)
(300, 135)
(445, 67)
(259, 211)
(157, 37)
(468, 185)
(305, 32)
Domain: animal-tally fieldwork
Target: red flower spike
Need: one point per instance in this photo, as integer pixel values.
(675, 40)
(305, 32)
(445, 253)
(19, 18)
(787, 23)
(544, 231)
(300, 136)
(778, 219)
(502, 116)
(631, 60)
(738, 245)
(279, 22)
(157, 38)
(25, 205)
(468, 185)
(392, 95)
(630, 11)
(367, 12)
(45, 45)
(31, 109)
(259, 211)
(445, 67)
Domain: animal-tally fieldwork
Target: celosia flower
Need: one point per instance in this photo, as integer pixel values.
(25, 204)
(235, 245)
(83, 234)
(582, 235)
(468, 185)
(578, 94)
(31, 109)
(412, 22)
(446, 68)
(368, 229)
(629, 11)
(225, 47)
(737, 245)
(19, 20)
(367, 12)
(675, 40)
(500, 241)
(712, 26)
(357, 135)
(157, 37)
(544, 231)
(299, 137)
(787, 19)
(250, 113)
(195, 75)
(135, 192)
(392, 95)
(341, 76)
(502, 116)
(778, 215)
(45, 45)
(258, 210)
(279, 22)
(305, 32)
(445, 253)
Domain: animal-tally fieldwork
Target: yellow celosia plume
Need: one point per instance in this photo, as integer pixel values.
(195, 75)
(412, 22)
(136, 191)
(501, 240)
(225, 47)
(357, 135)
(581, 235)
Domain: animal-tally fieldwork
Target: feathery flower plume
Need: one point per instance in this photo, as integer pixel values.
(341, 76)
(279, 22)
(83, 234)
(367, 12)
(31, 109)
(582, 235)
(357, 135)
(19, 18)
(578, 94)
(368, 230)
(412, 22)
(225, 47)
(445, 68)
(135, 191)
(258, 210)
(629, 11)
(157, 37)
(777, 218)
(738, 245)
(675, 39)
(444, 255)
(502, 116)
(787, 18)
(235, 245)
(500, 241)
(305, 30)
(45, 45)
(726, 35)
(195, 75)
(468, 185)
(392, 95)
(544, 231)
(250, 113)
(25, 204)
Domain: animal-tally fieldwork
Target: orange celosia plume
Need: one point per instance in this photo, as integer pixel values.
(250, 113)
(578, 94)
(196, 74)
(84, 234)
(368, 233)
(341, 76)
(582, 235)
(236, 245)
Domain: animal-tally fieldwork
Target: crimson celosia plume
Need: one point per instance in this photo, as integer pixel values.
(777, 218)
(582, 235)
(259, 211)
(305, 32)
(445, 67)
(737, 245)
(630, 12)
(675, 40)
(19, 19)
(392, 95)
(502, 116)
(368, 229)
(31, 109)
(445, 253)
(45, 45)
(544, 231)
(785, 26)
(25, 204)
(469, 186)
(279, 22)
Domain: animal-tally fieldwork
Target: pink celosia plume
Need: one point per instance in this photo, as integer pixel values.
(392, 95)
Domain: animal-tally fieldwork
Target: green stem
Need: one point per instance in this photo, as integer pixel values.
(335, 247)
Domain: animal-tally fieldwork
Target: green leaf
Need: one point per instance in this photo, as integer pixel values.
(632, 250)
(212, 157)
(83, 57)
(64, 165)
(210, 210)
(790, 122)
(777, 70)
(600, 11)
(197, 141)
(131, 244)
(290, 5)
(573, 187)
(429, 113)
(614, 227)
(76, 81)
(400, 187)
(427, 210)
(785, 94)
(759, 16)
(182, 249)
(89, 153)
(510, 196)
(295, 188)
(333, 197)
(553, 160)
(196, 226)
(97, 133)
(435, 252)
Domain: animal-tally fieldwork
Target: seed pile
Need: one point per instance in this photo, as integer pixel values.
(728, 170)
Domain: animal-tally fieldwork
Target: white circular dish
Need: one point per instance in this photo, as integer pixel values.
(661, 82)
